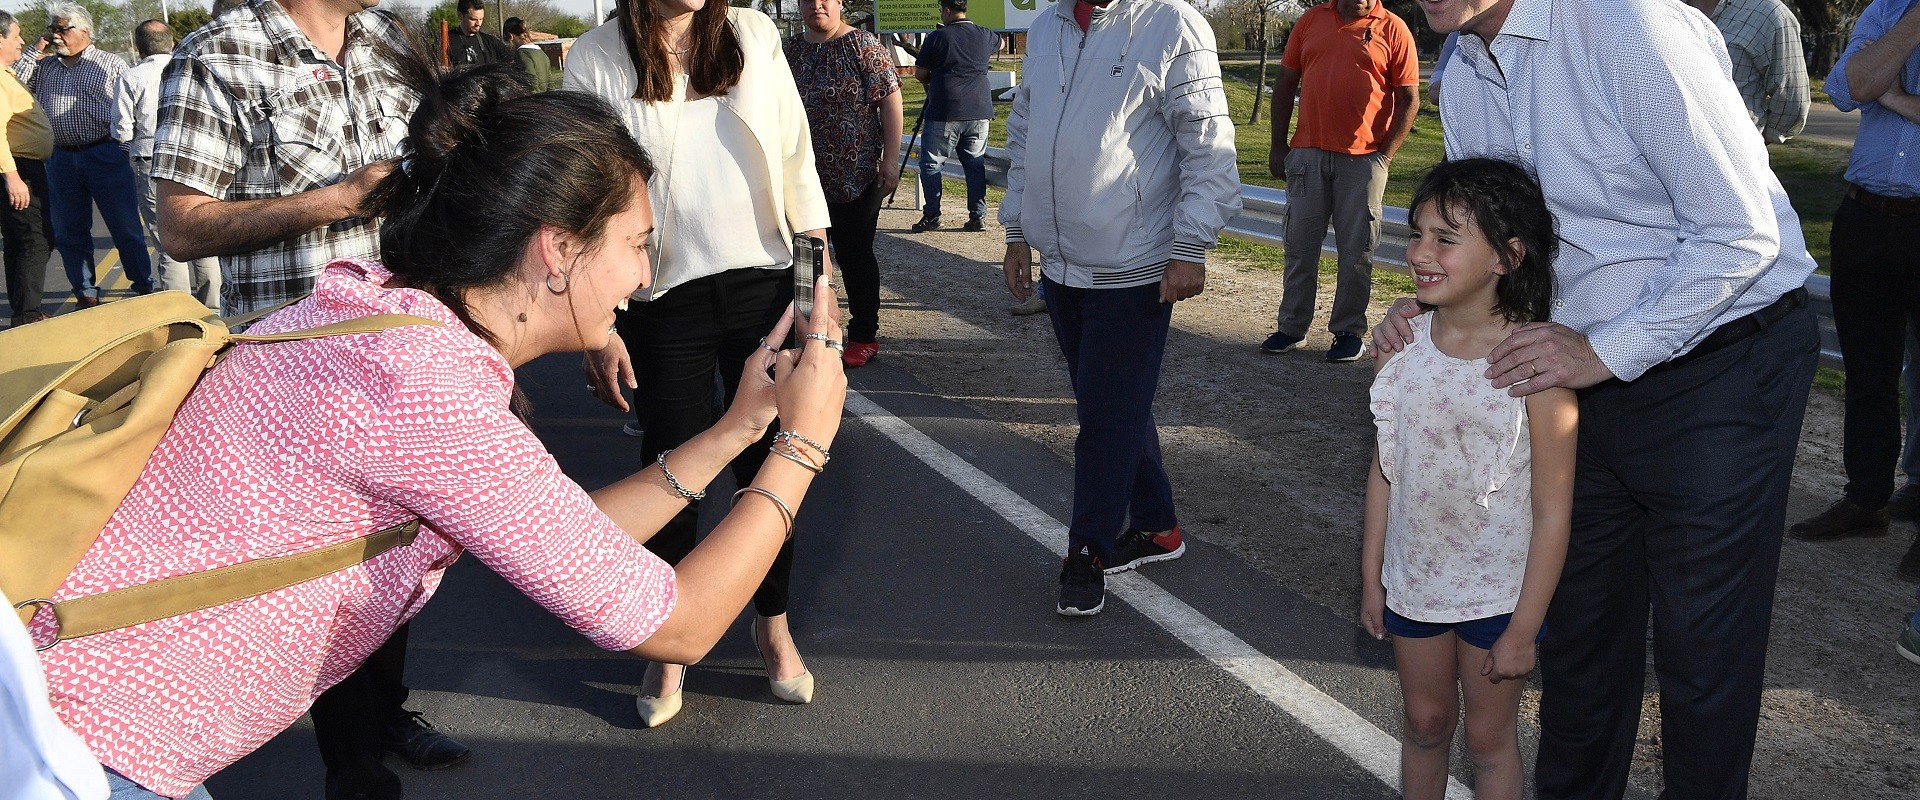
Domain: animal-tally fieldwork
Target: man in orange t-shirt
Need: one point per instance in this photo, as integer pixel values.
(1354, 66)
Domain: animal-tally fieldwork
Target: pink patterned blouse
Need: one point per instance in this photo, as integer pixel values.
(1457, 453)
(292, 446)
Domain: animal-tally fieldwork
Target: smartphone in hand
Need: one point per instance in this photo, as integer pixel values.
(809, 254)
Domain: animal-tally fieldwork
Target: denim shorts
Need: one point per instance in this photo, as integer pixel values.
(1481, 633)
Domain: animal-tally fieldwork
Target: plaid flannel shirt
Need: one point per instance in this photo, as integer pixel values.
(251, 110)
(78, 99)
(1763, 39)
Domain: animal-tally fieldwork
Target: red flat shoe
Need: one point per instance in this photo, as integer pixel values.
(859, 353)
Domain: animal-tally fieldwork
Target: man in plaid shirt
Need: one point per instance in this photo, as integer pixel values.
(276, 119)
(1763, 39)
(269, 140)
(74, 83)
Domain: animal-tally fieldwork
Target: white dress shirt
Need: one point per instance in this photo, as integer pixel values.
(1671, 220)
(136, 104)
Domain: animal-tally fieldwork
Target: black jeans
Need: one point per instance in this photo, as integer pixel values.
(349, 718)
(28, 245)
(677, 343)
(1876, 293)
(1679, 504)
(852, 234)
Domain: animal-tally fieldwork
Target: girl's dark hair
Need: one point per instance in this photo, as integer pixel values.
(1505, 203)
(490, 163)
(714, 61)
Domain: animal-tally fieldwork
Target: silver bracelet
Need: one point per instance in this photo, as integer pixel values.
(794, 456)
(683, 491)
(784, 510)
(789, 435)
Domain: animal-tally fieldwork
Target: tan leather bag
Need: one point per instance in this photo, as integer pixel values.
(84, 400)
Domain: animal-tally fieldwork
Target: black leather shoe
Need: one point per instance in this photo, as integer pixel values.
(415, 741)
(1846, 518)
(1910, 563)
(1905, 503)
(974, 224)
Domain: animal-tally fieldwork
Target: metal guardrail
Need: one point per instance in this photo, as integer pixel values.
(1263, 215)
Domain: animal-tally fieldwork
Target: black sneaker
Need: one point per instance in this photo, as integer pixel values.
(1280, 343)
(1346, 347)
(1910, 563)
(415, 741)
(974, 224)
(1083, 588)
(926, 224)
(1136, 547)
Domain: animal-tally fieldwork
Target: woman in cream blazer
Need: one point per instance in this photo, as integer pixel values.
(705, 90)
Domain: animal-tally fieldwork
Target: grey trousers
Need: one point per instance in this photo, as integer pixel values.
(1327, 187)
(199, 277)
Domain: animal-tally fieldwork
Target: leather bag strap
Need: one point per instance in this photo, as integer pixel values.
(370, 324)
(171, 597)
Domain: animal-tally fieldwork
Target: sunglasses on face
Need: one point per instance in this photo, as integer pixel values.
(57, 30)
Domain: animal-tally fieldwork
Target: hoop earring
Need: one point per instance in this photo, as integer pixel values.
(566, 281)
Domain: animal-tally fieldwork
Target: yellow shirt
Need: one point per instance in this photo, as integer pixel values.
(26, 133)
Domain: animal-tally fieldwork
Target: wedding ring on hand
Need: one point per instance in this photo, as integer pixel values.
(767, 347)
(831, 342)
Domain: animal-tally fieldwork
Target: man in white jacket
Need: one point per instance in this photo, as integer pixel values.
(1123, 174)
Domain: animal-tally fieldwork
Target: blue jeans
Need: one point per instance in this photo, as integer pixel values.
(1114, 340)
(941, 140)
(79, 180)
(124, 789)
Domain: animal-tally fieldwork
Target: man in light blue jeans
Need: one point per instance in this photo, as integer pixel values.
(953, 65)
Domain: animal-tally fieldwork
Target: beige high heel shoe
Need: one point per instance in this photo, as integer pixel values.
(797, 689)
(655, 711)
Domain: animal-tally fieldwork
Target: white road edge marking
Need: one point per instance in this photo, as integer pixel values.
(1360, 740)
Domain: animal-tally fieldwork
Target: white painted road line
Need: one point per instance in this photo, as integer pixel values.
(1360, 740)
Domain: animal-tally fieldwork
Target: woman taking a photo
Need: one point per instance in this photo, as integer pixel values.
(852, 94)
(288, 447)
(704, 88)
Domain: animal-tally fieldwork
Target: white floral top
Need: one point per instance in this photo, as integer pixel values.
(1460, 515)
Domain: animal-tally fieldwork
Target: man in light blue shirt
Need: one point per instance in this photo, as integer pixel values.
(1876, 265)
(1679, 314)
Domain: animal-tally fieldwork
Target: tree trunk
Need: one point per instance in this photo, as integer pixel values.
(1260, 83)
(1816, 24)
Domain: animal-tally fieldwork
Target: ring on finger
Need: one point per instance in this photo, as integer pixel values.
(767, 347)
(830, 341)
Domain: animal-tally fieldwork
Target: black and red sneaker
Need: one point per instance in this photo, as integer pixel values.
(1083, 588)
(1135, 548)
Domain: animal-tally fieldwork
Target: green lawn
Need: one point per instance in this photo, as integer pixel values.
(1810, 171)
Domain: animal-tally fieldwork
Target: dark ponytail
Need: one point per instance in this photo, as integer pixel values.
(489, 163)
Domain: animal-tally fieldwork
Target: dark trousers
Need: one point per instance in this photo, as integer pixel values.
(349, 718)
(1679, 504)
(28, 245)
(852, 235)
(678, 342)
(1113, 340)
(101, 176)
(1876, 295)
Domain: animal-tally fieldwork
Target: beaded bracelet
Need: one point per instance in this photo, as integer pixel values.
(683, 491)
(794, 456)
(784, 510)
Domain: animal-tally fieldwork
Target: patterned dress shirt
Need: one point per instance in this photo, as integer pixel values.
(1671, 219)
(78, 99)
(1763, 39)
(842, 82)
(251, 110)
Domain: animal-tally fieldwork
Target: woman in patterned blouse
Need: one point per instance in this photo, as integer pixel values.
(852, 93)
